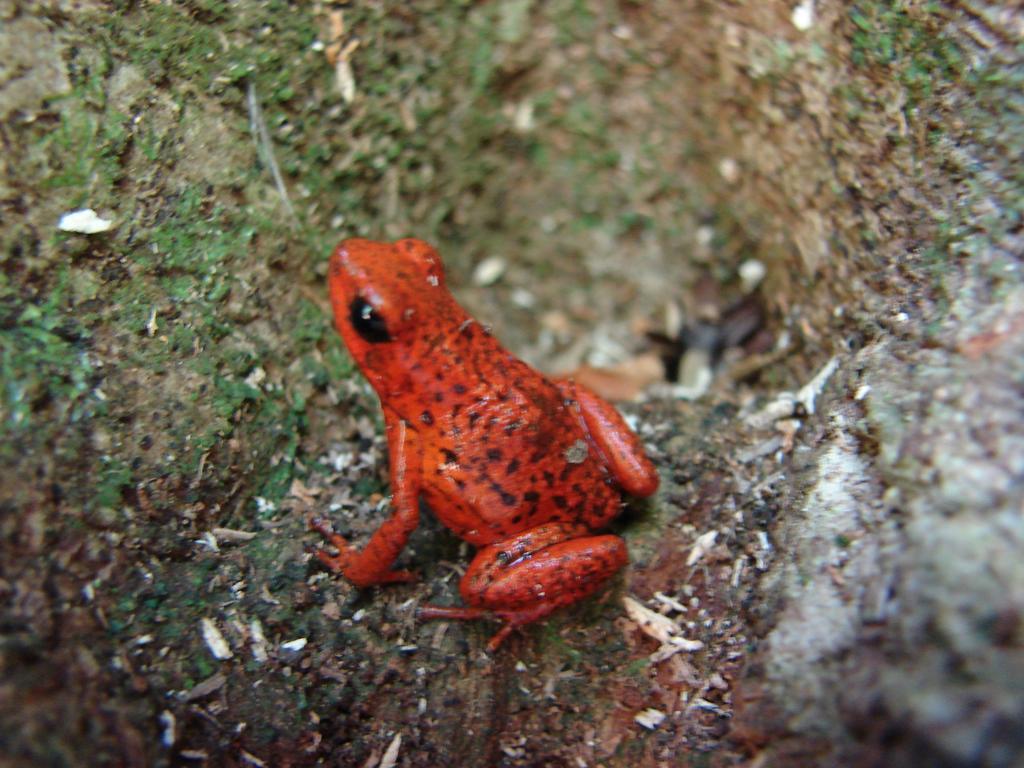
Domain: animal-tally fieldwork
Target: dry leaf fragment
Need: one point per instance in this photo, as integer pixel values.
(810, 391)
(673, 646)
(651, 623)
(205, 688)
(343, 72)
(391, 753)
(233, 535)
(303, 493)
(650, 718)
(336, 22)
(339, 53)
(782, 407)
(701, 547)
(214, 640)
(622, 382)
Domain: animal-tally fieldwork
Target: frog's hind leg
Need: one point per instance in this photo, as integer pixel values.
(620, 448)
(526, 577)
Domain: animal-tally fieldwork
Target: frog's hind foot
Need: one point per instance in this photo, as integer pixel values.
(513, 619)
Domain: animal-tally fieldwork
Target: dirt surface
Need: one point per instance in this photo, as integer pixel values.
(835, 555)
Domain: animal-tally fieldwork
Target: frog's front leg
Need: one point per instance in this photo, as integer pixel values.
(373, 564)
(621, 449)
(527, 576)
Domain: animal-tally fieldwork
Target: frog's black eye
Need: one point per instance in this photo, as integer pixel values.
(367, 321)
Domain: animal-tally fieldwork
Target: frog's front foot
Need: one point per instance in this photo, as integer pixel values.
(364, 569)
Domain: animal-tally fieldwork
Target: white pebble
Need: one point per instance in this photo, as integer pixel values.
(489, 271)
(803, 15)
(84, 222)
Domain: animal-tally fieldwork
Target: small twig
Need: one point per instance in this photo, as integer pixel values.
(261, 136)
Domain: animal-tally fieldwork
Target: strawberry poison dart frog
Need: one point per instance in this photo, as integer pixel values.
(525, 468)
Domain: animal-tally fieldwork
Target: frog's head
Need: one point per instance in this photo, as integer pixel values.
(388, 299)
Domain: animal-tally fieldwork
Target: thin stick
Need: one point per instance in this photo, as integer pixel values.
(261, 136)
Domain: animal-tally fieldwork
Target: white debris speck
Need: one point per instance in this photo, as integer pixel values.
(673, 646)
(251, 759)
(83, 222)
(650, 718)
(781, 407)
(695, 374)
(215, 640)
(671, 602)
(523, 298)
(208, 540)
(344, 78)
(763, 551)
(803, 15)
(810, 391)
(520, 667)
(701, 546)
(684, 644)
(256, 377)
(263, 506)
(729, 169)
(737, 572)
(489, 271)
(751, 272)
(340, 460)
(259, 641)
(862, 392)
(167, 720)
(390, 757)
(700, 703)
(785, 403)
(522, 119)
(294, 646)
(358, 615)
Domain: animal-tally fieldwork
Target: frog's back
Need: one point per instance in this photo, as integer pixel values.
(504, 451)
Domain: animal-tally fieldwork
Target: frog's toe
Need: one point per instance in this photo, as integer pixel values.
(396, 577)
(333, 563)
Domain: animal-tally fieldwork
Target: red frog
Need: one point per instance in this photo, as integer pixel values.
(523, 467)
